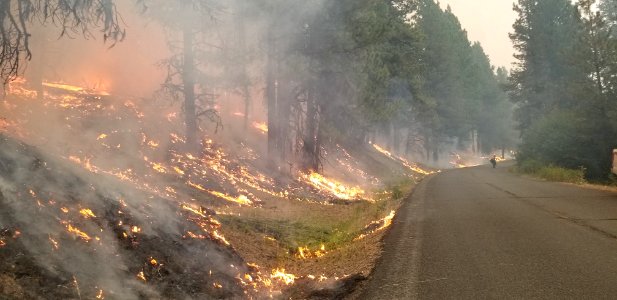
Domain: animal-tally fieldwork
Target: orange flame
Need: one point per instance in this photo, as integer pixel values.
(282, 276)
(333, 187)
(385, 223)
(406, 163)
(305, 252)
(78, 233)
(87, 213)
(263, 127)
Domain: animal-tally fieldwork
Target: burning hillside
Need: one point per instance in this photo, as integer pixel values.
(105, 205)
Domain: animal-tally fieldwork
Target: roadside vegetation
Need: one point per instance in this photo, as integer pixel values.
(564, 88)
(551, 172)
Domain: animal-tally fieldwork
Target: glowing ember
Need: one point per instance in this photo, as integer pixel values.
(333, 187)
(54, 244)
(87, 213)
(178, 170)
(2, 243)
(153, 261)
(280, 275)
(102, 136)
(100, 295)
(141, 275)
(159, 168)
(305, 252)
(64, 210)
(263, 127)
(153, 144)
(135, 229)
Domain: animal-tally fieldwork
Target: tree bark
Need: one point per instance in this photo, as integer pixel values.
(188, 78)
(311, 147)
(271, 93)
(246, 92)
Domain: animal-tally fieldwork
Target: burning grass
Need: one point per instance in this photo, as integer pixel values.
(304, 236)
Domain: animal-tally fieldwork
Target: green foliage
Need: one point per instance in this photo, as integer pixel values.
(552, 173)
(562, 175)
(459, 77)
(564, 84)
(567, 140)
(529, 166)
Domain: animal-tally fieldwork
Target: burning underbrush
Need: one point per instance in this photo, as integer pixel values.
(99, 199)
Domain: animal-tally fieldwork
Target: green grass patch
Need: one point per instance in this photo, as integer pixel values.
(552, 173)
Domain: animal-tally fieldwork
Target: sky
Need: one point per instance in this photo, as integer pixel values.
(488, 22)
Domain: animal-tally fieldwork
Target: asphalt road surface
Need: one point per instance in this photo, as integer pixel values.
(483, 233)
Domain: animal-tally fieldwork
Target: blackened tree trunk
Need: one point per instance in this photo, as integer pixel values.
(311, 146)
(188, 78)
(246, 91)
(285, 94)
(272, 93)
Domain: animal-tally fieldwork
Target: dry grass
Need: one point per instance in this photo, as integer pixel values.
(270, 237)
(9, 288)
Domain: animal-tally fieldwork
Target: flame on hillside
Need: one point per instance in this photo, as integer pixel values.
(411, 166)
(378, 225)
(306, 252)
(212, 172)
(332, 187)
(262, 127)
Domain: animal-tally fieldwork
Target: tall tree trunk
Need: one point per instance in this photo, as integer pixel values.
(396, 139)
(188, 78)
(272, 93)
(284, 115)
(389, 136)
(36, 66)
(311, 147)
(246, 92)
(427, 146)
(474, 148)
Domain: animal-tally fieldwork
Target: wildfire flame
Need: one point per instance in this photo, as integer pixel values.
(141, 276)
(385, 223)
(305, 252)
(280, 275)
(411, 166)
(263, 127)
(87, 213)
(331, 186)
(78, 233)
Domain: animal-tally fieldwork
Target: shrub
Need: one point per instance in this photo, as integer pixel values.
(559, 174)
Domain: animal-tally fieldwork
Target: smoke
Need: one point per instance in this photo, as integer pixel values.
(116, 155)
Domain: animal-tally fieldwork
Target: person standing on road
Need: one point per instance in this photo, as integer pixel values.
(494, 161)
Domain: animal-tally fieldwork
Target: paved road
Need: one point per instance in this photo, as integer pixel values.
(482, 233)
